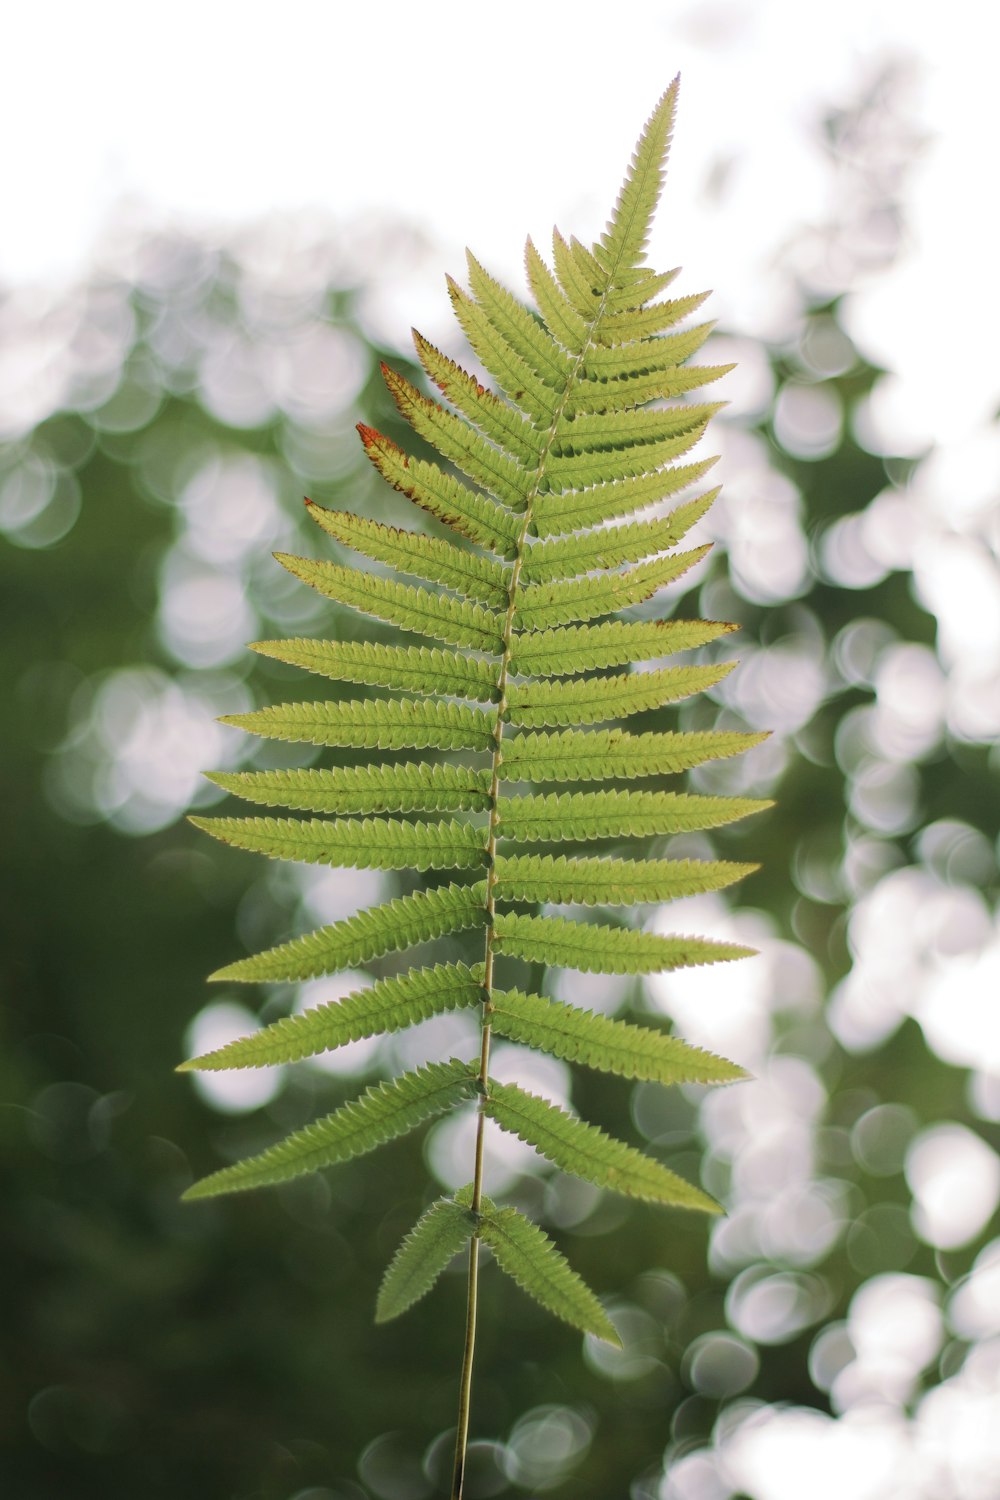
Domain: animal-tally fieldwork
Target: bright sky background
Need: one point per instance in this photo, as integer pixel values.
(479, 123)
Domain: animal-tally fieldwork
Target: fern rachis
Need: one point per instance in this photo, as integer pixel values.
(551, 530)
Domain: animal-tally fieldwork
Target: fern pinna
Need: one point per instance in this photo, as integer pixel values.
(575, 440)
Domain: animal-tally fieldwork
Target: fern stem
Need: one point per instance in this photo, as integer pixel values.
(465, 1388)
(465, 1391)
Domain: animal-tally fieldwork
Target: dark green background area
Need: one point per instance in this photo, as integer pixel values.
(227, 1350)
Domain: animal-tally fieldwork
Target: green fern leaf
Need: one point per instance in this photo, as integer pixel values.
(596, 948)
(515, 377)
(381, 1114)
(520, 328)
(372, 724)
(481, 519)
(449, 434)
(594, 274)
(569, 461)
(625, 238)
(637, 285)
(547, 604)
(579, 284)
(582, 648)
(568, 509)
(599, 1042)
(617, 814)
(604, 754)
(496, 420)
(588, 700)
(437, 615)
(561, 318)
(561, 880)
(388, 1005)
(593, 397)
(645, 356)
(585, 1151)
(383, 929)
(415, 669)
(637, 437)
(587, 457)
(371, 844)
(435, 1239)
(433, 559)
(647, 322)
(567, 557)
(530, 1258)
(363, 789)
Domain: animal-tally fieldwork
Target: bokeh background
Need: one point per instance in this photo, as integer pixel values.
(217, 221)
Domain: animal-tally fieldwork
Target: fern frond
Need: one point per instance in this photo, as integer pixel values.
(388, 1005)
(382, 929)
(498, 474)
(583, 648)
(636, 437)
(441, 495)
(588, 457)
(363, 789)
(609, 547)
(579, 283)
(438, 615)
(434, 559)
(599, 1042)
(605, 754)
(371, 724)
(546, 604)
(561, 880)
(415, 669)
(588, 700)
(522, 385)
(438, 1236)
(381, 1114)
(618, 814)
(570, 462)
(519, 327)
(562, 319)
(624, 241)
(596, 948)
(586, 1151)
(645, 356)
(601, 396)
(558, 511)
(369, 844)
(530, 1258)
(502, 423)
(646, 322)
